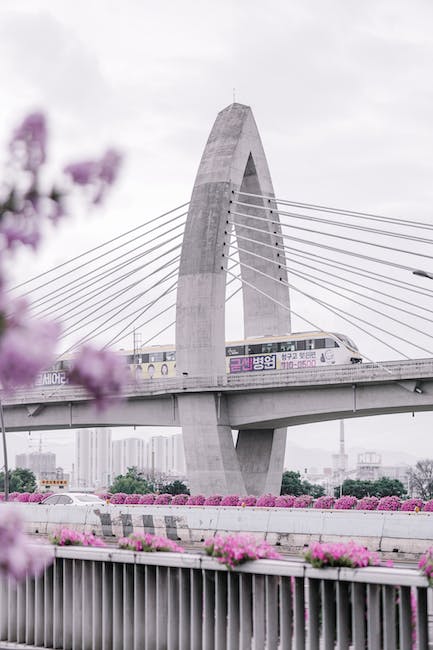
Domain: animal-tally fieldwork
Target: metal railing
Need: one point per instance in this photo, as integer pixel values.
(421, 369)
(101, 599)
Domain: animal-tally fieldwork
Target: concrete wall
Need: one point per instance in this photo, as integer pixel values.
(404, 533)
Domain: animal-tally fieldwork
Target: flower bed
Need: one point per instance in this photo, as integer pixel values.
(147, 543)
(347, 554)
(69, 537)
(232, 550)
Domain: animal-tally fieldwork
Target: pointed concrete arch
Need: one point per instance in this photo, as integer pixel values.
(233, 160)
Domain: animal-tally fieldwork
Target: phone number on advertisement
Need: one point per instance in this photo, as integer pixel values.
(298, 364)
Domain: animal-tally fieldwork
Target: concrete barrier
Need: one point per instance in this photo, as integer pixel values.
(406, 533)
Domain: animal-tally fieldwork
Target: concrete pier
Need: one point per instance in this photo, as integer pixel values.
(233, 161)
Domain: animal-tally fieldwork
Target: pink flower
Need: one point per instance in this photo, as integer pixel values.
(147, 499)
(20, 363)
(426, 565)
(325, 502)
(367, 503)
(29, 140)
(266, 501)
(196, 500)
(389, 503)
(284, 501)
(96, 175)
(179, 500)
(213, 500)
(343, 554)
(132, 498)
(69, 537)
(248, 501)
(18, 556)
(303, 501)
(345, 503)
(230, 500)
(428, 506)
(119, 497)
(102, 372)
(410, 505)
(163, 500)
(232, 550)
(147, 542)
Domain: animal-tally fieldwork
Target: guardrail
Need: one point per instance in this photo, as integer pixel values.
(345, 374)
(402, 534)
(96, 598)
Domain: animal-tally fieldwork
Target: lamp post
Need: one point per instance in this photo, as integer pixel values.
(5, 451)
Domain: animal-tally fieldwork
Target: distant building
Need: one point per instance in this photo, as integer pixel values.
(176, 455)
(165, 455)
(129, 452)
(39, 462)
(92, 458)
(368, 467)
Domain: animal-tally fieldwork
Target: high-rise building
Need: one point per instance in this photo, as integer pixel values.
(39, 462)
(130, 452)
(93, 458)
(157, 455)
(165, 455)
(176, 455)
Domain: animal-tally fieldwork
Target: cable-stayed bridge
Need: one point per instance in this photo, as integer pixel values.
(178, 272)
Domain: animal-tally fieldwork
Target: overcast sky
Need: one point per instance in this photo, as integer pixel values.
(341, 91)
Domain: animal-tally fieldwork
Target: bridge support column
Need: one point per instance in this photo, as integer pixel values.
(211, 462)
(261, 459)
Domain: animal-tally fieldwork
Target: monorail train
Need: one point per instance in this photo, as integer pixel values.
(287, 352)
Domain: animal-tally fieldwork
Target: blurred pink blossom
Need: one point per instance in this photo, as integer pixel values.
(29, 142)
(18, 555)
(102, 372)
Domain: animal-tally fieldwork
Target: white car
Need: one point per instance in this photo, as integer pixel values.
(72, 499)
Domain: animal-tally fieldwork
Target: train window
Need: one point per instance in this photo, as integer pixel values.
(287, 346)
(156, 356)
(254, 349)
(268, 348)
(170, 356)
(235, 350)
(319, 344)
(300, 345)
(330, 343)
(309, 344)
(144, 358)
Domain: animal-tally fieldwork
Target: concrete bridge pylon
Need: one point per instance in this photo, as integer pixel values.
(233, 160)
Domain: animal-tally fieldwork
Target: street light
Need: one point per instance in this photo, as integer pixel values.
(423, 274)
(5, 451)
